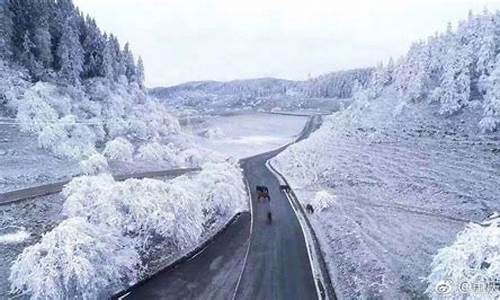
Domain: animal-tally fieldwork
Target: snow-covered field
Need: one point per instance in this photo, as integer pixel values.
(397, 190)
(406, 180)
(243, 135)
(21, 160)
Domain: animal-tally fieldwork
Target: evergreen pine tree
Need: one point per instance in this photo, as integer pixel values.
(5, 31)
(70, 53)
(128, 59)
(106, 69)
(140, 73)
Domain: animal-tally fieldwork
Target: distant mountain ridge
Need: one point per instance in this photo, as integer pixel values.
(264, 92)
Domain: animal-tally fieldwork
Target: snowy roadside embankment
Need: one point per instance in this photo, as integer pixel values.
(110, 228)
(390, 187)
(412, 162)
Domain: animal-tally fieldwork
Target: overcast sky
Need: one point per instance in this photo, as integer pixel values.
(187, 40)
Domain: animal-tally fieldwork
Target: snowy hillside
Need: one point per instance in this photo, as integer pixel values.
(337, 84)
(406, 167)
(265, 93)
(65, 124)
(69, 91)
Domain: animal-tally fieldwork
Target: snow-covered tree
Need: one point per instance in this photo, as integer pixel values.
(77, 259)
(140, 76)
(5, 31)
(487, 46)
(27, 57)
(119, 149)
(107, 66)
(119, 67)
(473, 259)
(130, 69)
(94, 165)
(456, 84)
(49, 36)
(93, 44)
(491, 104)
(70, 53)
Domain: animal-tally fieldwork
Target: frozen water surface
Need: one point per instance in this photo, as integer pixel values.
(244, 135)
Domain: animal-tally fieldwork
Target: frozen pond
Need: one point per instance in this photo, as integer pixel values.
(245, 135)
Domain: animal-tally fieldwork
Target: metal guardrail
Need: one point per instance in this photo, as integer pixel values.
(54, 188)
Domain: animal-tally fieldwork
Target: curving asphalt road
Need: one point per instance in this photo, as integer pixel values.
(278, 265)
(271, 263)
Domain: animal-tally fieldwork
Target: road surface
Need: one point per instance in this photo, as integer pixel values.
(276, 267)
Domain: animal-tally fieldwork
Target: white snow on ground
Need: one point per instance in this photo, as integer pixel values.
(405, 182)
(244, 135)
(20, 160)
(14, 237)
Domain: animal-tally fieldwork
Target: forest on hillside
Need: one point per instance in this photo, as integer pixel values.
(53, 40)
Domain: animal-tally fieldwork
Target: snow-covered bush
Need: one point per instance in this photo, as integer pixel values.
(137, 208)
(213, 133)
(13, 83)
(67, 138)
(157, 152)
(119, 149)
(323, 200)
(94, 165)
(221, 188)
(489, 124)
(190, 158)
(33, 111)
(470, 266)
(75, 260)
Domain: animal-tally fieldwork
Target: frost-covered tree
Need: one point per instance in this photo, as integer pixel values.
(5, 31)
(27, 57)
(49, 36)
(119, 67)
(337, 84)
(93, 44)
(70, 53)
(107, 66)
(473, 259)
(130, 69)
(456, 84)
(77, 259)
(487, 46)
(491, 104)
(119, 149)
(94, 165)
(140, 76)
